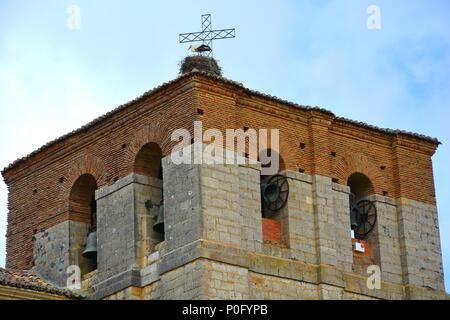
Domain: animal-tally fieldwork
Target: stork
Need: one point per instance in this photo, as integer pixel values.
(200, 48)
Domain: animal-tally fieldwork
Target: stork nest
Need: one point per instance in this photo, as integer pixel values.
(200, 63)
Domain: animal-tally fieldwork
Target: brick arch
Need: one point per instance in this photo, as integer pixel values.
(148, 161)
(344, 166)
(81, 199)
(87, 164)
(148, 134)
(286, 156)
(281, 159)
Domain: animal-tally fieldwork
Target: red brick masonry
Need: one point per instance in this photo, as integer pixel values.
(398, 163)
(271, 231)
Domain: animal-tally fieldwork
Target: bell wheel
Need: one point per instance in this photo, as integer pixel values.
(275, 195)
(367, 218)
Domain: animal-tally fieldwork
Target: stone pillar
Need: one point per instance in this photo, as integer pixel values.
(343, 236)
(388, 239)
(220, 194)
(301, 217)
(324, 220)
(219, 202)
(115, 228)
(420, 247)
(124, 231)
(417, 221)
(182, 204)
(183, 217)
(147, 190)
(206, 202)
(325, 231)
(250, 207)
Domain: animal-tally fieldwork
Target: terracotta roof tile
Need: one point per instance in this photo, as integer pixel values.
(31, 281)
(223, 80)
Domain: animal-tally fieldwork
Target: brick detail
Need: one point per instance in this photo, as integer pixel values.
(98, 151)
(271, 231)
(107, 151)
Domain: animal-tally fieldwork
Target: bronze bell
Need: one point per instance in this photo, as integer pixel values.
(354, 217)
(270, 192)
(90, 252)
(159, 224)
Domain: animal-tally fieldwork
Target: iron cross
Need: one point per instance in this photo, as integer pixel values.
(207, 35)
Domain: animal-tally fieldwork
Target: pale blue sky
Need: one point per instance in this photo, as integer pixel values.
(317, 52)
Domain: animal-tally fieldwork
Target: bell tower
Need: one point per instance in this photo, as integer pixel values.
(345, 197)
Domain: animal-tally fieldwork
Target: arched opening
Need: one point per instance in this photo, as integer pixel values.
(363, 222)
(148, 161)
(360, 185)
(274, 193)
(83, 208)
(362, 211)
(271, 162)
(150, 203)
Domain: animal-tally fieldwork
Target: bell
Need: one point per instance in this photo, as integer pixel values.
(354, 217)
(270, 192)
(159, 224)
(90, 252)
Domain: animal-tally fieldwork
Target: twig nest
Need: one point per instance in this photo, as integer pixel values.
(200, 63)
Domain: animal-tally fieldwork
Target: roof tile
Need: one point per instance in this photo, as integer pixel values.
(223, 80)
(29, 280)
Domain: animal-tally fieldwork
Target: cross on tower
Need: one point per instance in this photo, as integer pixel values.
(207, 35)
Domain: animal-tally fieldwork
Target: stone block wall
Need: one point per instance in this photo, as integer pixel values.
(250, 207)
(342, 227)
(125, 236)
(420, 244)
(116, 228)
(57, 248)
(263, 287)
(312, 140)
(221, 211)
(185, 283)
(182, 204)
(223, 218)
(214, 247)
(148, 193)
(389, 251)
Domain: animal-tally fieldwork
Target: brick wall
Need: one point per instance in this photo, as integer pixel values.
(271, 231)
(39, 186)
(332, 147)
